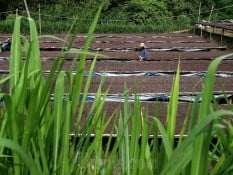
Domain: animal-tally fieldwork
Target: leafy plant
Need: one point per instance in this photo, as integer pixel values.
(32, 128)
(38, 115)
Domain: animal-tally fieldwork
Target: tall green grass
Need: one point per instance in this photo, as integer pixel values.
(35, 131)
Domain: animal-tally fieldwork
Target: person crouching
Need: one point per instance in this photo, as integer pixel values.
(142, 52)
(5, 46)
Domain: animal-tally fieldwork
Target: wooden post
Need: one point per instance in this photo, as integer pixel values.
(17, 12)
(210, 34)
(230, 101)
(198, 18)
(39, 19)
(199, 13)
(212, 8)
(194, 29)
(222, 36)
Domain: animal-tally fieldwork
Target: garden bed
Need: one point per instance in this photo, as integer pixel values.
(120, 58)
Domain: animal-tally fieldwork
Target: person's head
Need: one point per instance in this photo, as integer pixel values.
(142, 45)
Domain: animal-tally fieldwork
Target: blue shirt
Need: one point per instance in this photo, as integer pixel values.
(143, 53)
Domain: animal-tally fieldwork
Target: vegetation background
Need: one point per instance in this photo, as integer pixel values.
(119, 16)
(34, 133)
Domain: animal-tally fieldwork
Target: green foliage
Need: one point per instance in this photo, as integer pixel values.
(35, 132)
(145, 11)
(57, 16)
(180, 7)
(120, 16)
(31, 123)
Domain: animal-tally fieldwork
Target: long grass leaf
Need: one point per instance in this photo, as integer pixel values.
(196, 131)
(58, 108)
(44, 161)
(172, 108)
(34, 56)
(201, 146)
(122, 153)
(86, 88)
(126, 151)
(135, 136)
(65, 169)
(13, 129)
(97, 125)
(165, 138)
(35, 53)
(155, 147)
(194, 113)
(145, 161)
(25, 158)
(5, 79)
(16, 55)
(80, 70)
(84, 133)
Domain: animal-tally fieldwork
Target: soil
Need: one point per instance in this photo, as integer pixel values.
(118, 55)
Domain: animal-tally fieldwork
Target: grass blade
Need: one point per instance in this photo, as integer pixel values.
(75, 94)
(25, 158)
(201, 145)
(16, 55)
(65, 169)
(135, 135)
(166, 141)
(58, 112)
(172, 108)
(188, 142)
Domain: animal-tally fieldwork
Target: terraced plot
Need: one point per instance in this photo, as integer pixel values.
(152, 80)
